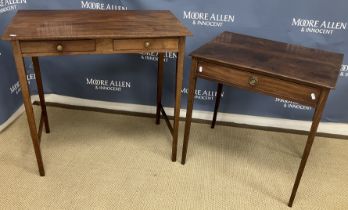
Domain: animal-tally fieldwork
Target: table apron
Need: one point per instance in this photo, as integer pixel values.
(303, 94)
(41, 48)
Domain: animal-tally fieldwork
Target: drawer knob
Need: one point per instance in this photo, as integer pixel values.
(253, 81)
(200, 69)
(313, 96)
(60, 48)
(147, 44)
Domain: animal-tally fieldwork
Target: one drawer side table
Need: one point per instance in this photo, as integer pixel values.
(292, 72)
(81, 32)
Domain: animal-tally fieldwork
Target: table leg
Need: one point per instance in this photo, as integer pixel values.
(27, 104)
(38, 77)
(178, 87)
(190, 100)
(217, 103)
(315, 122)
(159, 86)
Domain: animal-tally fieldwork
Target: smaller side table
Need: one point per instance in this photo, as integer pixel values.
(292, 72)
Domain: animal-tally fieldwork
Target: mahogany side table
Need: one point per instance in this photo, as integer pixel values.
(58, 32)
(292, 72)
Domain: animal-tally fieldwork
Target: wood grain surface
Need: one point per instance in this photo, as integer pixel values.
(287, 61)
(82, 24)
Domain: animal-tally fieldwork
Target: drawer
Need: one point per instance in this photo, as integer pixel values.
(303, 94)
(146, 45)
(28, 47)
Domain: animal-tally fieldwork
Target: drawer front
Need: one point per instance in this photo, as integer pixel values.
(57, 46)
(146, 45)
(303, 94)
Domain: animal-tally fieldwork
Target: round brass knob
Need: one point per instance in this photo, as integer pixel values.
(60, 48)
(147, 44)
(253, 81)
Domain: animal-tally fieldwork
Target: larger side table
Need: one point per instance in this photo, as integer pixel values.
(56, 33)
(292, 72)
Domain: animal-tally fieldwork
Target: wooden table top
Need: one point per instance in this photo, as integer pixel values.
(83, 24)
(286, 61)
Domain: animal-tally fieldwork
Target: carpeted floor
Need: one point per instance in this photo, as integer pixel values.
(109, 161)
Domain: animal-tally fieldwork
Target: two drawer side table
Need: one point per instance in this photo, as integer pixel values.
(292, 72)
(36, 33)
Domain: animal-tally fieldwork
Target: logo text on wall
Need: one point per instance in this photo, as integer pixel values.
(344, 71)
(108, 85)
(101, 6)
(292, 105)
(153, 56)
(205, 95)
(318, 26)
(10, 5)
(16, 88)
(208, 19)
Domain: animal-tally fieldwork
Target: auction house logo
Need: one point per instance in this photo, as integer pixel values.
(108, 85)
(292, 105)
(16, 88)
(317, 26)
(9, 5)
(205, 95)
(344, 71)
(101, 6)
(153, 56)
(207, 19)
